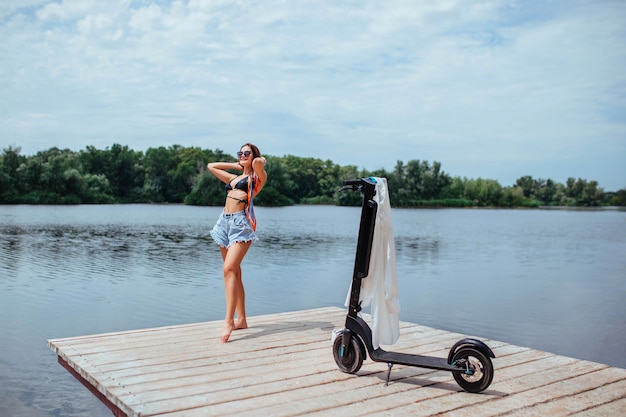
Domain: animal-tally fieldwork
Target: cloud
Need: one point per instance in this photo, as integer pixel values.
(490, 88)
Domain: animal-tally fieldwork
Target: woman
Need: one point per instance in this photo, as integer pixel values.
(235, 228)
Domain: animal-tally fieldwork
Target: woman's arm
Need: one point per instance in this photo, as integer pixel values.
(258, 165)
(219, 170)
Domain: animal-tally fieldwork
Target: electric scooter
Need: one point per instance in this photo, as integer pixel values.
(468, 360)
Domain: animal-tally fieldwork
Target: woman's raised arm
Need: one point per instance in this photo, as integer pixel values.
(258, 165)
(219, 170)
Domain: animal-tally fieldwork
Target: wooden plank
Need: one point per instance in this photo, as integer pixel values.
(408, 385)
(586, 396)
(611, 409)
(283, 366)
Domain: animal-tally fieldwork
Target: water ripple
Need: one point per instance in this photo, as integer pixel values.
(511, 275)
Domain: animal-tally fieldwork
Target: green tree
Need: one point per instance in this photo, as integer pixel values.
(583, 193)
(347, 198)
(206, 190)
(489, 192)
(278, 186)
(413, 180)
(190, 163)
(28, 176)
(435, 181)
(395, 182)
(591, 195)
(547, 191)
(159, 163)
(528, 185)
(574, 188)
(124, 171)
(512, 197)
(328, 179)
(456, 188)
(619, 199)
(302, 182)
(179, 174)
(10, 161)
(97, 189)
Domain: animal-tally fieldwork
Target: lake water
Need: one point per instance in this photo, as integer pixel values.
(554, 280)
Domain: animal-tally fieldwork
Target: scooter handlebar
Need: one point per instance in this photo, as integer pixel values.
(353, 182)
(351, 185)
(359, 184)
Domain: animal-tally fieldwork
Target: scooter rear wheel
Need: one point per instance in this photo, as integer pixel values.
(352, 358)
(478, 369)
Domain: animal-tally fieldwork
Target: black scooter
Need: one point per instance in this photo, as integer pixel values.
(468, 360)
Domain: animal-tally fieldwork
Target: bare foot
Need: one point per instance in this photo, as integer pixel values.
(241, 324)
(226, 331)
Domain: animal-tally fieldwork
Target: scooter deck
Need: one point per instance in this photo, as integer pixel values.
(380, 355)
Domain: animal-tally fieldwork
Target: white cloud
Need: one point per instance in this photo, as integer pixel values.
(490, 88)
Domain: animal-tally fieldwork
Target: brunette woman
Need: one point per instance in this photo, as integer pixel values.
(236, 226)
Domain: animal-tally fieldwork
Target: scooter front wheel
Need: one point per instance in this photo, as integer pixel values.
(477, 372)
(349, 358)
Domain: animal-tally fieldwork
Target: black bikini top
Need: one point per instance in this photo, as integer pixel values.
(241, 185)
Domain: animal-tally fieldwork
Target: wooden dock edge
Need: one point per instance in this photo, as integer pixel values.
(117, 412)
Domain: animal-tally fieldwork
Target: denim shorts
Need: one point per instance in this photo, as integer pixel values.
(233, 228)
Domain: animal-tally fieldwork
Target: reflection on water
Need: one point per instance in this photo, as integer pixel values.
(552, 280)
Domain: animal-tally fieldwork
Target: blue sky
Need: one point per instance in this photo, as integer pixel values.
(491, 89)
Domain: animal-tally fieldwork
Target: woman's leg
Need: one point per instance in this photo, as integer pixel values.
(240, 307)
(240, 296)
(233, 285)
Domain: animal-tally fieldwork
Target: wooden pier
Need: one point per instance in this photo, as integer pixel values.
(283, 366)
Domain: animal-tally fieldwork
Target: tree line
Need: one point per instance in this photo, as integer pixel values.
(178, 174)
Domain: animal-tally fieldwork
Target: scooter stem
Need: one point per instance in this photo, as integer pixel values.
(365, 239)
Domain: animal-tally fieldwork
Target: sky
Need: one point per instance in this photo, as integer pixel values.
(492, 89)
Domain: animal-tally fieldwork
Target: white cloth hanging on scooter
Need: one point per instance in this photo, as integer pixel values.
(380, 287)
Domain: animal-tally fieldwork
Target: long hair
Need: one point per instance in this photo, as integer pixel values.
(253, 187)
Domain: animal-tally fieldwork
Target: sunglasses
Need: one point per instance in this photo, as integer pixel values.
(244, 153)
